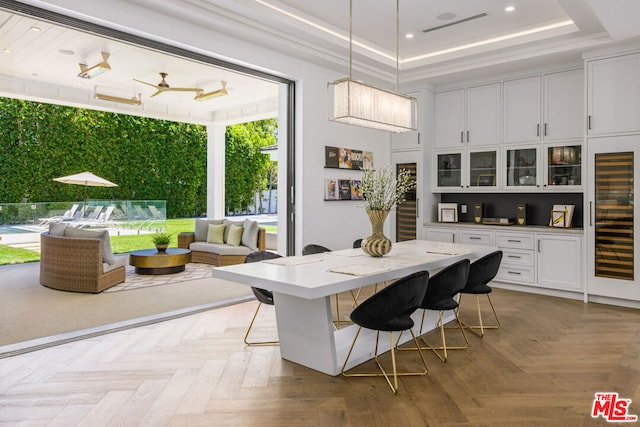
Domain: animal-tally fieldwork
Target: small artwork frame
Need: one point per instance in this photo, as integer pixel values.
(447, 215)
(486, 180)
(447, 212)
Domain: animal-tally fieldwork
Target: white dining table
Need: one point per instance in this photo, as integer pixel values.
(303, 285)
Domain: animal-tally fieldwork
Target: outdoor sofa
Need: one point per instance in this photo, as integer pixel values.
(216, 242)
(77, 260)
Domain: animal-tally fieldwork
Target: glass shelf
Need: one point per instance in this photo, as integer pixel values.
(564, 165)
(482, 168)
(449, 170)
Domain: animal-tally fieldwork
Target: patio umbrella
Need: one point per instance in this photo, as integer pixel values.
(87, 179)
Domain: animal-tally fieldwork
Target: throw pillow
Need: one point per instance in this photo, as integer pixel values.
(202, 228)
(250, 234)
(57, 228)
(107, 254)
(229, 224)
(216, 233)
(235, 235)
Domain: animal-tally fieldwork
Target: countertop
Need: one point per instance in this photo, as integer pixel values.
(513, 228)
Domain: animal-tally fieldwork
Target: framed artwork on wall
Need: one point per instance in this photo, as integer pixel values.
(347, 158)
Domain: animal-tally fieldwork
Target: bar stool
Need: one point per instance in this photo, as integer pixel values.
(481, 272)
(390, 310)
(262, 295)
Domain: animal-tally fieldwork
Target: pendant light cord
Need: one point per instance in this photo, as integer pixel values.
(350, 37)
(397, 42)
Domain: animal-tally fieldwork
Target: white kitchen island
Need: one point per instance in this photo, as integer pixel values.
(303, 286)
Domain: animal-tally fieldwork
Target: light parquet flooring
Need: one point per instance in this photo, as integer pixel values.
(541, 368)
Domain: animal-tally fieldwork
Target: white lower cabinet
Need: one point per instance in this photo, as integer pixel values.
(440, 234)
(559, 262)
(549, 260)
(518, 257)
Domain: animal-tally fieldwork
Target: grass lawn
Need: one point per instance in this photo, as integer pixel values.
(119, 244)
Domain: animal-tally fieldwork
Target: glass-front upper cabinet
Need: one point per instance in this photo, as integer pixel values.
(563, 166)
(483, 169)
(448, 171)
(521, 168)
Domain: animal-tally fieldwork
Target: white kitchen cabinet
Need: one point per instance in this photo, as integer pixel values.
(476, 237)
(559, 262)
(534, 259)
(483, 169)
(522, 108)
(468, 117)
(448, 170)
(563, 105)
(521, 168)
(613, 95)
(544, 108)
(518, 257)
(449, 123)
(562, 165)
(440, 234)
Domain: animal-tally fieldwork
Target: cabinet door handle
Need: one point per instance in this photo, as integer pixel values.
(538, 245)
(514, 272)
(475, 238)
(462, 137)
(590, 214)
(514, 256)
(417, 208)
(467, 136)
(589, 122)
(545, 129)
(419, 138)
(538, 129)
(514, 241)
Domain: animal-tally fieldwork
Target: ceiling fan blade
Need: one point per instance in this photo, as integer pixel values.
(184, 89)
(158, 92)
(148, 84)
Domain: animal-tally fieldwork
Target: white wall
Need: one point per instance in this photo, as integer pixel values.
(332, 224)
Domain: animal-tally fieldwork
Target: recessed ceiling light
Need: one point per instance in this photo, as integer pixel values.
(446, 16)
(66, 52)
(509, 8)
(7, 50)
(34, 28)
(408, 35)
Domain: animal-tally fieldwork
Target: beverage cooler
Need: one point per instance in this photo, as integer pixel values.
(612, 241)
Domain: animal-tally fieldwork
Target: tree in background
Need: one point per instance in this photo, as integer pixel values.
(247, 169)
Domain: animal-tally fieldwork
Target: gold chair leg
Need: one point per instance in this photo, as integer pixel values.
(444, 347)
(481, 326)
(257, 343)
(336, 323)
(393, 385)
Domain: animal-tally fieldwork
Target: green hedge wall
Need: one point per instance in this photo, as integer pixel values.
(148, 158)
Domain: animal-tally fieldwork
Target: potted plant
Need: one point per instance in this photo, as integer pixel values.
(161, 241)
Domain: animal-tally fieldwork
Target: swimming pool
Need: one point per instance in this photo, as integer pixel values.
(13, 229)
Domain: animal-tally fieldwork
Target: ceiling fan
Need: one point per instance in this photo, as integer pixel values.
(163, 86)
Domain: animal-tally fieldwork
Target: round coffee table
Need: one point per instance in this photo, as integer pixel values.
(150, 261)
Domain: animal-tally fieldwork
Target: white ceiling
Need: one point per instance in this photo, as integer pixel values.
(317, 31)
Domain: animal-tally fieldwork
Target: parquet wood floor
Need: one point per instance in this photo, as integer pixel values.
(541, 368)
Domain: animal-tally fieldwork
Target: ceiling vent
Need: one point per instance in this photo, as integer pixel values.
(459, 21)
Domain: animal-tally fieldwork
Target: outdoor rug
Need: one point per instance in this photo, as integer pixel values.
(193, 271)
(33, 316)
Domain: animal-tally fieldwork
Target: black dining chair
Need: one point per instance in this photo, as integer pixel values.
(440, 296)
(311, 249)
(481, 272)
(262, 295)
(390, 310)
(357, 243)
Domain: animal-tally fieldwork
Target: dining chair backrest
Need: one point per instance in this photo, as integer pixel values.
(263, 295)
(446, 284)
(390, 309)
(314, 249)
(483, 271)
